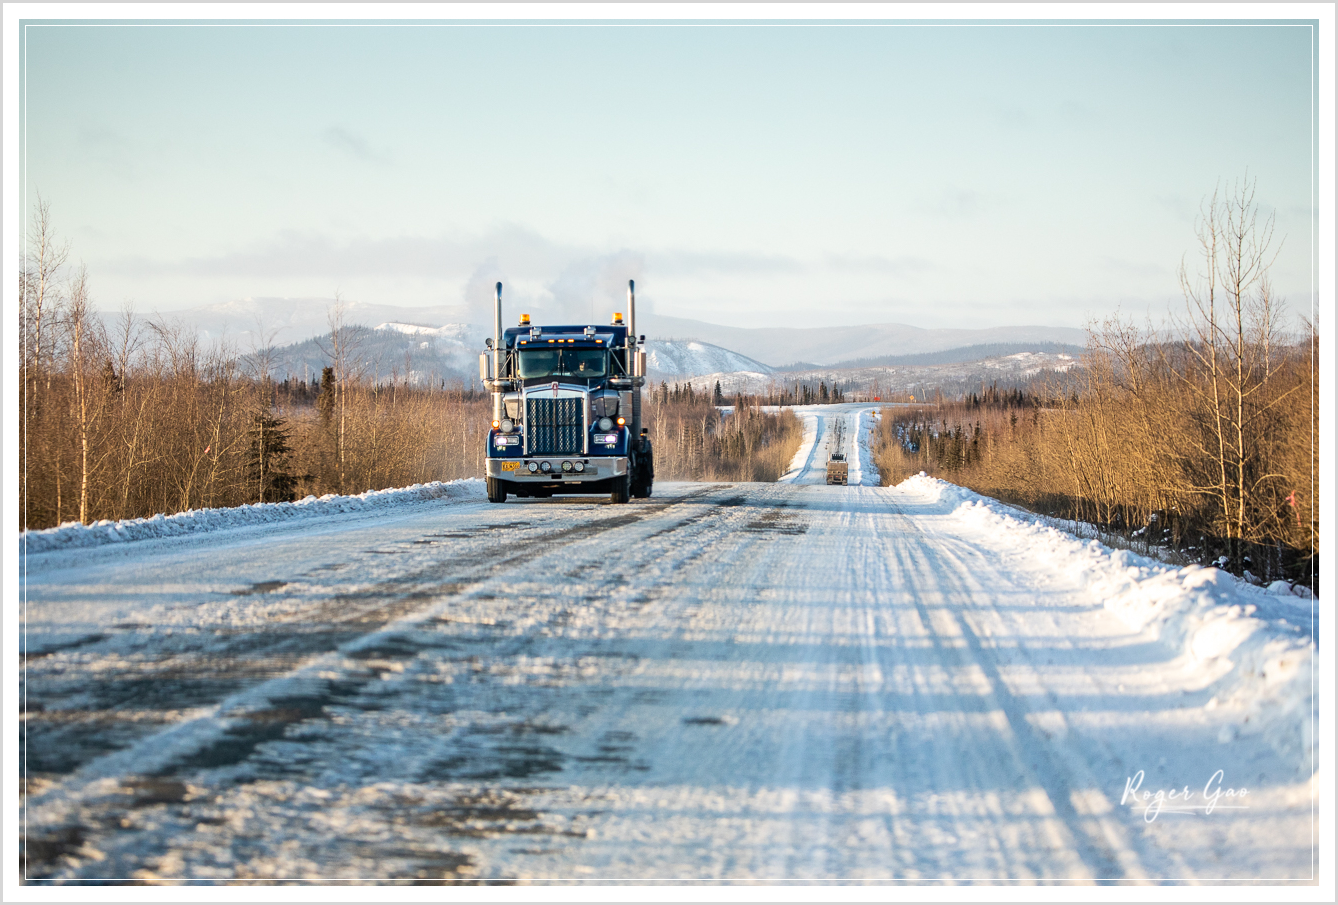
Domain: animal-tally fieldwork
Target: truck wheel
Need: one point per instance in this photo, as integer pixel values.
(622, 489)
(645, 474)
(496, 491)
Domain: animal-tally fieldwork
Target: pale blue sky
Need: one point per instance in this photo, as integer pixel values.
(949, 175)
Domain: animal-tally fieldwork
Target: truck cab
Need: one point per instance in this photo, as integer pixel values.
(567, 409)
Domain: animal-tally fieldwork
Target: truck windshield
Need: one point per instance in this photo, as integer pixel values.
(562, 363)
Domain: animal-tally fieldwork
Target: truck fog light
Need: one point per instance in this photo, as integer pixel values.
(534, 466)
(566, 466)
(606, 424)
(579, 466)
(545, 467)
(508, 425)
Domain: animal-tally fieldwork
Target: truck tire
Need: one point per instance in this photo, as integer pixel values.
(496, 491)
(644, 482)
(622, 489)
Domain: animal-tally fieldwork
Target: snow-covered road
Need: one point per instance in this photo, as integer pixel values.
(726, 681)
(844, 428)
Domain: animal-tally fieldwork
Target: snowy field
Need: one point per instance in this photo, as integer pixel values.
(724, 682)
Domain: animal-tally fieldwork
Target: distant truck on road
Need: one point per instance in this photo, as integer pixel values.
(567, 409)
(837, 469)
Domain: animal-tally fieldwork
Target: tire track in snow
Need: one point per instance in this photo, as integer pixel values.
(1103, 860)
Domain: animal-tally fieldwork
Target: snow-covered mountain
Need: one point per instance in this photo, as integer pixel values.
(250, 322)
(902, 381)
(821, 345)
(417, 354)
(292, 320)
(434, 344)
(460, 332)
(677, 358)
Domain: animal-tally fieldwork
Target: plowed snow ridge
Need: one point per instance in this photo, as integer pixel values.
(193, 521)
(1206, 614)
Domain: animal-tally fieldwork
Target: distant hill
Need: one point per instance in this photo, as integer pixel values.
(906, 381)
(420, 354)
(295, 320)
(434, 344)
(412, 353)
(825, 346)
(977, 352)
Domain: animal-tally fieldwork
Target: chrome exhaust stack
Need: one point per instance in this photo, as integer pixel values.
(631, 329)
(497, 355)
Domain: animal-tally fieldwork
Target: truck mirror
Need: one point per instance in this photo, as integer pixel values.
(488, 342)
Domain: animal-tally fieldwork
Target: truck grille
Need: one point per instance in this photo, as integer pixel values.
(555, 426)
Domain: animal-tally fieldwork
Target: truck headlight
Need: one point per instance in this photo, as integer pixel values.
(534, 467)
(566, 466)
(545, 467)
(605, 424)
(579, 466)
(508, 425)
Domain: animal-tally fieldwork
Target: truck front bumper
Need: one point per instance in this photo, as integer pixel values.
(597, 468)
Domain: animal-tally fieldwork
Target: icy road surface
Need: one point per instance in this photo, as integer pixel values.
(726, 681)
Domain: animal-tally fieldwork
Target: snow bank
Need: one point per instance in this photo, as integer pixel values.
(73, 534)
(799, 463)
(1203, 614)
(862, 468)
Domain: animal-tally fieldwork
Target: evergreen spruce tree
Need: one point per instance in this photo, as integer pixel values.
(267, 458)
(325, 400)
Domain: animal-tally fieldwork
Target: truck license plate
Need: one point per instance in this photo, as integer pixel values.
(510, 466)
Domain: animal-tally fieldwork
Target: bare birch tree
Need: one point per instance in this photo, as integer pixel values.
(87, 347)
(1229, 331)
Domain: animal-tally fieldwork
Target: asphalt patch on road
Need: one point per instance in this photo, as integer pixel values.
(253, 728)
(776, 521)
(68, 645)
(261, 587)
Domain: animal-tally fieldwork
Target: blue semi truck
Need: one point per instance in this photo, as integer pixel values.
(566, 408)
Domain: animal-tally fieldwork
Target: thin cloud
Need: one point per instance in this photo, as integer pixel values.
(291, 253)
(110, 149)
(683, 263)
(349, 142)
(517, 249)
(903, 265)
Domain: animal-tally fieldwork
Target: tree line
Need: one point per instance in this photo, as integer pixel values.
(796, 392)
(1201, 436)
(695, 441)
